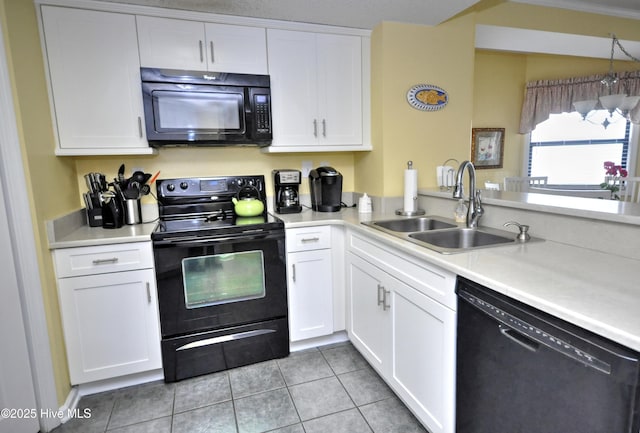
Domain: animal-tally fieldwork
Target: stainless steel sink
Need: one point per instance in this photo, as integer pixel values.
(418, 224)
(448, 241)
(444, 235)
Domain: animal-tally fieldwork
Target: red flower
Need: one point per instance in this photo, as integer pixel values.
(611, 169)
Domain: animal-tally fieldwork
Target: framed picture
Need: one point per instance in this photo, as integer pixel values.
(487, 147)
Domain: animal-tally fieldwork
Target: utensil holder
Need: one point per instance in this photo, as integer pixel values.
(132, 212)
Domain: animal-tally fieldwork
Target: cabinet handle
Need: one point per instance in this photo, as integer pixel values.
(293, 272)
(148, 292)
(385, 306)
(324, 128)
(140, 126)
(212, 55)
(380, 294)
(201, 52)
(305, 240)
(315, 128)
(105, 261)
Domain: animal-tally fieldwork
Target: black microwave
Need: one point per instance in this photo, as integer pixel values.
(206, 108)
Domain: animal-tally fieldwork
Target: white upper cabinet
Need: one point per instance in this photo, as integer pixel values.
(317, 83)
(192, 45)
(94, 77)
(320, 75)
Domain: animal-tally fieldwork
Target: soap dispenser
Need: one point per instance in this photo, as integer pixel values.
(364, 204)
(460, 213)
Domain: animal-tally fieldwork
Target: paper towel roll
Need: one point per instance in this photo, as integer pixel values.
(410, 189)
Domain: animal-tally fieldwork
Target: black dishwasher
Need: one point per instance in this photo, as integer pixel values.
(520, 370)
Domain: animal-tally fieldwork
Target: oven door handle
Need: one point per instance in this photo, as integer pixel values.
(198, 240)
(225, 339)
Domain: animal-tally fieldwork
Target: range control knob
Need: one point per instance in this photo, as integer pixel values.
(171, 187)
(184, 185)
(240, 182)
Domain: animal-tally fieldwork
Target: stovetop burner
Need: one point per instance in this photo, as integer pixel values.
(204, 205)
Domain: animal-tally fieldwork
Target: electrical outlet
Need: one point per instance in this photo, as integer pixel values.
(307, 166)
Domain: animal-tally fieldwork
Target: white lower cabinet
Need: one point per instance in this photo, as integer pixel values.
(110, 319)
(310, 294)
(310, 282)
(423, 356)
(397, 325)
(369, 322)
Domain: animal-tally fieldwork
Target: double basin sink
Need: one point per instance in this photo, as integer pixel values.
(444, 235)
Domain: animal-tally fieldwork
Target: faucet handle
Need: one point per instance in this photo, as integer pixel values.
(479, 208)
(523, 236)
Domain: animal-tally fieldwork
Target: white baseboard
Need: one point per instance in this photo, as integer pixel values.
(70, 404)
(336, 337)
(120, 382)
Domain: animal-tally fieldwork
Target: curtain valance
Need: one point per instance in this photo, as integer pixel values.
(544, 97)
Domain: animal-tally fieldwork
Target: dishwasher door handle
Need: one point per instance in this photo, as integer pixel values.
(519, 338)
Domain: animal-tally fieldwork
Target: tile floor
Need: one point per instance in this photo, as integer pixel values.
(330, 389)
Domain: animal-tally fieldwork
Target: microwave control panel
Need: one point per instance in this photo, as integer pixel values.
(262, 113)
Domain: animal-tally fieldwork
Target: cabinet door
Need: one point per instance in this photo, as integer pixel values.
(236, 49)
(95, 81)
(340, 84)
(294, 87)
(310, 294)
(171, 43)
(423, 350)
(369, 321)
(110, 324)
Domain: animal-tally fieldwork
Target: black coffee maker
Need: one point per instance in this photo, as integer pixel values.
(286, 184)
(325, 184)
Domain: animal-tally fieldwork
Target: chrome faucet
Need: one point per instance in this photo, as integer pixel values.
(475, 210)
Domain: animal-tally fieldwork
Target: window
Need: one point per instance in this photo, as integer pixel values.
(571, 151)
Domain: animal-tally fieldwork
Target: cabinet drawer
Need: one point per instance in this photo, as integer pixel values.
(308, 238)
(73, 262)
(431, 280)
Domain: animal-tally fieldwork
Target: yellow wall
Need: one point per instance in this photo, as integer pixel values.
(520, 15)
(499, 83)
(405, 55)
(402, 56)
(183, 162)
(498, 93)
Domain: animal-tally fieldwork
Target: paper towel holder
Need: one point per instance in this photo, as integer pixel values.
(415, 212)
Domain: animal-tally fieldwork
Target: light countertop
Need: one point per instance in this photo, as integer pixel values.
(581, 207)
(594, 290)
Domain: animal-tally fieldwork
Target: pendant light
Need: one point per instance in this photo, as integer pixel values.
(619, 103)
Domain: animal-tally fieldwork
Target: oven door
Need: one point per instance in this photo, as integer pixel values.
(213, 282)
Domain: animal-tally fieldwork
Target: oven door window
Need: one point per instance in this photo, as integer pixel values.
(223, 278)
(198, 111)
